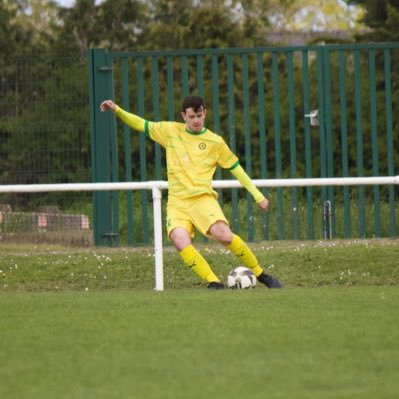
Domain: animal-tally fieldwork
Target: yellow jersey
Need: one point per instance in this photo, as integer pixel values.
(191, 157)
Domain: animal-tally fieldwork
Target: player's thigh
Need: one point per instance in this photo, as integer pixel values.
(205, 212)
(176, 218)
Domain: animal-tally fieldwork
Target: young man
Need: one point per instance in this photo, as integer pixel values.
(192, 154)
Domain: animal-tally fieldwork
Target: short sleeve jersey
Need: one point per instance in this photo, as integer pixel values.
(191, 158)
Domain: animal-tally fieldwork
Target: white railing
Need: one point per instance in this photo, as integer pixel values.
(158, 186)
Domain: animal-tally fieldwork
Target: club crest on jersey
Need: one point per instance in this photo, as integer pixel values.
(202, 146)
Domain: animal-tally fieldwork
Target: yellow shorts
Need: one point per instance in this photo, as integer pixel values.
(200, 212)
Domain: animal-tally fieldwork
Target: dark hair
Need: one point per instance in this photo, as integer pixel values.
(194, 102)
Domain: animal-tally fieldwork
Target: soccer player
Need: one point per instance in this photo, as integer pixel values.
(192, 154)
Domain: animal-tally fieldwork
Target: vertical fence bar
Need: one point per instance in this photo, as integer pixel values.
(143, 160)
(155, 104)
(200, 75)
(277, 143)
(390, 147)
(232, 132)
(262, 134)
(359, 142)
(216, 115)
(114, 161)
(184, 75)
(344, 140)
(128, 152)
(374, 142)
(322, 133)
(329, 133)
(247, 134)
(308, 144)
(170, 89)
(293, 163)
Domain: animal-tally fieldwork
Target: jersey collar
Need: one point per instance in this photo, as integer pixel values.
(202, 131)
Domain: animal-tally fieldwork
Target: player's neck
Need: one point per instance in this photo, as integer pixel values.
(203, 129)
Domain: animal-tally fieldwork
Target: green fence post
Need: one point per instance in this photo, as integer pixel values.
(307, 144)
(128, 151)
(344, 141)
(262, 135)
(390, 142)
(232, 133)
(103, 150)
(328, 131)
(359, 143)
(322, 126)
(216, 116)
(143, 156)
(374, 142)
(247, 134)
(292, 135)
(277, 144)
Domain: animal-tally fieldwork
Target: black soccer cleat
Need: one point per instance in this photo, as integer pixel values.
(215, 285)
(269, 281)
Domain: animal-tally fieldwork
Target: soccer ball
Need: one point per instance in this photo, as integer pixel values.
(241, 278)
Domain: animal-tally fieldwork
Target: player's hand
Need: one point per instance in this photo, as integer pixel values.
(264, 204)
(107, 104)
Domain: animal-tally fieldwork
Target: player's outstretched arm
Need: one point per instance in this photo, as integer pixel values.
(247, 183)
(132, 120)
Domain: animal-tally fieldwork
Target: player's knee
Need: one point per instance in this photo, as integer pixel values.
(180, 238)
(227, 239)
(221, 233)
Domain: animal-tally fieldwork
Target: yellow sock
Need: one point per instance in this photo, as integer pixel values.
(241, 250)
(197, 263)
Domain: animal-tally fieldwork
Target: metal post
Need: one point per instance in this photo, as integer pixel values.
(327, 219)
(157, 197)
(103, 150)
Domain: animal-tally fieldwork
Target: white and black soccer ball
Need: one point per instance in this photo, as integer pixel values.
(241, 278)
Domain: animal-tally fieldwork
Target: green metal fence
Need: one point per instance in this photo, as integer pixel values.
(318, 111)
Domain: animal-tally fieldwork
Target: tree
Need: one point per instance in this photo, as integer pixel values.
(315, 15)
(113, 24)
(31, 23)
(382, 17)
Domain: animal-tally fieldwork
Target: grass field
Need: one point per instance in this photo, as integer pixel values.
(85, 323)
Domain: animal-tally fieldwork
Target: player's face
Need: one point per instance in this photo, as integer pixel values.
(194, 119)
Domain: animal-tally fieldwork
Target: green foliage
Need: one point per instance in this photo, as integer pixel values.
(44, 129)
(381, 16)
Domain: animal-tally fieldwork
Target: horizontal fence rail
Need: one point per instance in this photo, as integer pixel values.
(158, 186)
(163, 185)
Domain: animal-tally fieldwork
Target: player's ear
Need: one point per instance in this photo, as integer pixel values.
(183, 115)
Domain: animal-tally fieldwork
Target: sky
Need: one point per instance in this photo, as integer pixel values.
(66, 3)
